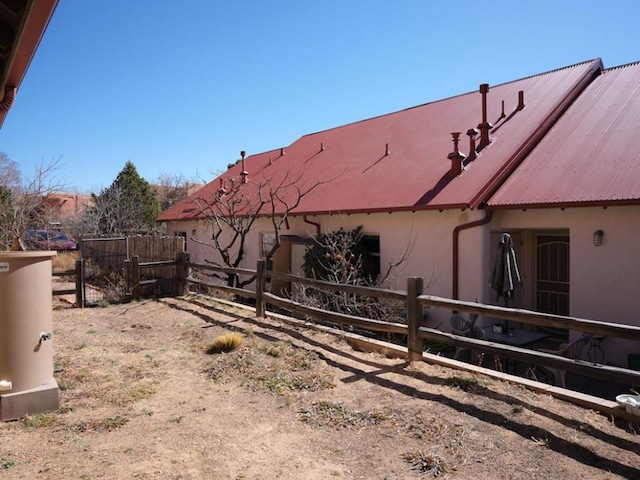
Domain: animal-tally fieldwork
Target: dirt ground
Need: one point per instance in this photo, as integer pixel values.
(139, 398)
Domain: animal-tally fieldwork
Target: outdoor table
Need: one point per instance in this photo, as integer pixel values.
(516, 337)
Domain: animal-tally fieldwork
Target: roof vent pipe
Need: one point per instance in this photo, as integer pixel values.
(520, 100)
(472, 132)
(282, 152)
(322, 146)
(244, 174)
(456, 157)
(386, 150)
(502, 115)
(485, 126)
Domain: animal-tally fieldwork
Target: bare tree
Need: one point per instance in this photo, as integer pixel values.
(235, 206)
(172, 189)
(23, 200)
(342, 257)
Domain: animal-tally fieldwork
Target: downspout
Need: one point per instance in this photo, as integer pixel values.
(456, 241)
(315, 224)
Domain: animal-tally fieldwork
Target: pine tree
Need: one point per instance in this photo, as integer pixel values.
(128, 206)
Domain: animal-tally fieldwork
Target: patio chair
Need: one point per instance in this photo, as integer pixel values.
(465, 328)
(571, 350)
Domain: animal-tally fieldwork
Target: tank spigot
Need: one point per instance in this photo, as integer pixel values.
(45, 336)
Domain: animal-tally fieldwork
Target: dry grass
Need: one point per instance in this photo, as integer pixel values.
(337, 415)
(426, 463)
(225, 343)
(65, 261)
(139, 398)
(274, 368)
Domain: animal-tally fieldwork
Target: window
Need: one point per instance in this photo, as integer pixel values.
(371, 244)
(267, 241)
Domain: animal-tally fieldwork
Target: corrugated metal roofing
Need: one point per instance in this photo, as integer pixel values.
(591, 155)
(357, 174)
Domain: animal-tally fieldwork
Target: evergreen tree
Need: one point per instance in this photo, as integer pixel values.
(128, 206)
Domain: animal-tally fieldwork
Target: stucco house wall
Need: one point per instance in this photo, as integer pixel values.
(604, 280)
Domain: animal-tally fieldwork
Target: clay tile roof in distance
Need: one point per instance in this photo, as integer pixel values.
(591, 156)
(358, 175)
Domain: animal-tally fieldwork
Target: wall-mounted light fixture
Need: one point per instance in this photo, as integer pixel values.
(597, 238)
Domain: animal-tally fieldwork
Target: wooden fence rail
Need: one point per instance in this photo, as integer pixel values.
(180, 264)
(417, 332)
(77, 278)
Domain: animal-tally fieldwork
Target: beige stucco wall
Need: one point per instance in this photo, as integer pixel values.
(604, 280)
(427, 236)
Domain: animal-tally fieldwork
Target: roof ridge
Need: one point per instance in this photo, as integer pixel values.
(624, 65)
(355, 122)
(555, 70)
(382, 115)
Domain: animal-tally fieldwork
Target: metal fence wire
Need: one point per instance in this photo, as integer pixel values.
(106, 266)
(104, 269)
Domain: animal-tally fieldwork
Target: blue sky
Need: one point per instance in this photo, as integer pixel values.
(182, 87)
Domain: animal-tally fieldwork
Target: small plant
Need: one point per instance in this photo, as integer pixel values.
(468, 384)
(225, 343)
(427, 463)
(6, 464)
(110, 424)
(37, 420)
(517, 409)
(131, 395)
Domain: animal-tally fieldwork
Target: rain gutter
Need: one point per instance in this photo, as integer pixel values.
(488, 214)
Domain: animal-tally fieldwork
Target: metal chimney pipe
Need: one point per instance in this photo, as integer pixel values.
(244, 174)
(520, 100)
(485, 126)
(456, 157)
(472, 132)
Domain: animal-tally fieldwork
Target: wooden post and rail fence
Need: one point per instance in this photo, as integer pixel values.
(415, 329)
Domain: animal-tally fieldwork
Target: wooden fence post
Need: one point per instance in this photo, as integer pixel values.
(135, 276)
(80, 283)
(415, 286)
(182, 272)
(260, 307)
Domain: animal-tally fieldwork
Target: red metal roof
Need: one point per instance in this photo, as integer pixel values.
(592, 154)
(361, 177)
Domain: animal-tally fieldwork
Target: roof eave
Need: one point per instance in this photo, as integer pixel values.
(29, 33)
(565, 205)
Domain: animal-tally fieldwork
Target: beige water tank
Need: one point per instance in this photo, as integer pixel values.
(26, 352)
